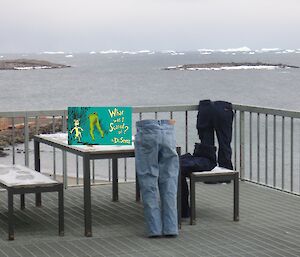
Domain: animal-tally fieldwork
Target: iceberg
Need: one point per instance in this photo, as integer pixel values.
(59, 52)
(241, 49)
(129, 52)
(69, 56)
(270, 49)
(229, 50)
(144, 51)
(206, 50)
(92, 52)
(289, 51)
(172, 52)
(111, 51)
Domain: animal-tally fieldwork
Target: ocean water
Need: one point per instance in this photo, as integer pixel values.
(137, 78)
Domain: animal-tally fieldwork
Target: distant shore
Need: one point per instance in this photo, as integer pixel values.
(29, 64)
(230, 65)
(43, 126)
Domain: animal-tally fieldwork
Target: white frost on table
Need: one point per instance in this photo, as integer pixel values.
(62, 138)
(17, 175)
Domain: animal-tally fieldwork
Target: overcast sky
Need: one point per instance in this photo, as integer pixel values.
(95, 25)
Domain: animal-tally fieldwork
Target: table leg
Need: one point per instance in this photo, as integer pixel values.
(178, 149)
(192, 202)
(236, 198)
(87, 196)
(22, 201)
(11, 235)
(37, 167)
(115, 190)
(61, 210)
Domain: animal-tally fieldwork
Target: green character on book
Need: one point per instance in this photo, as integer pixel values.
(77, 129)
(94, 121)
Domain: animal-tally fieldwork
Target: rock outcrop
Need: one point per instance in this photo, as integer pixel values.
(229, 65)
(29, 64)
(44, 127)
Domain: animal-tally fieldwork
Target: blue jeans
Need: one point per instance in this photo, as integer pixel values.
(157, 168)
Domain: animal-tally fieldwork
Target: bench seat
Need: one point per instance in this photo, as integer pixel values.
(17, 179)
(215, 175)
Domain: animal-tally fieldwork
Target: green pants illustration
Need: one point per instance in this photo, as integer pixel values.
(94, 121)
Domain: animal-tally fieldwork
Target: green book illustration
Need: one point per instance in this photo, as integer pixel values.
(100, 125)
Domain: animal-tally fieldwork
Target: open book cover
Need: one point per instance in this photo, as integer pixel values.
(99, 125)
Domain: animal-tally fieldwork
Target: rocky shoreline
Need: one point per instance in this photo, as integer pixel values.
(233, 65)
(6, 134)
(29, 64)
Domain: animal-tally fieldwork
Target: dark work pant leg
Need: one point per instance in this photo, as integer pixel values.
(185, 208)
(223, 125)
(205, 122)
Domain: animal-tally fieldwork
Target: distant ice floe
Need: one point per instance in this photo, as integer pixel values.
(32, 68)
(171, 52)
(262, 67)
(240, 67)
(247, 50)
(92, 52)
(144, 51)
(229, 50)
(1, 56)
(129, 52)
(69, 56)
(59, 52)
(266, 50)
(111, 51)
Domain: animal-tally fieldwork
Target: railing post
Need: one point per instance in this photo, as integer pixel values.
(64, 154)
(186, 131)
(26, 137)
(13, 141)
(242, 144)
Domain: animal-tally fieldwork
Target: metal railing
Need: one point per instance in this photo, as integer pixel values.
(266, 145)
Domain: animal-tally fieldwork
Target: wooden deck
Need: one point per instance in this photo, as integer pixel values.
(269, 225)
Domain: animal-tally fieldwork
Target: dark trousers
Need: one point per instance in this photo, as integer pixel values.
(189, 164)
(216, 117)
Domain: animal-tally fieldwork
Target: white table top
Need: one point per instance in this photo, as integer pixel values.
(17, 175)
(62, 139)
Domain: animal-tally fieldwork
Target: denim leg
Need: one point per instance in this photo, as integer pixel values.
(146, 154)
(168, 182)
(223, 125)
(150, 197)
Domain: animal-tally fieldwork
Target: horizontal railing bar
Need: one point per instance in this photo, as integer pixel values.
(166, 108)
(22, 114)
(265, 110)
